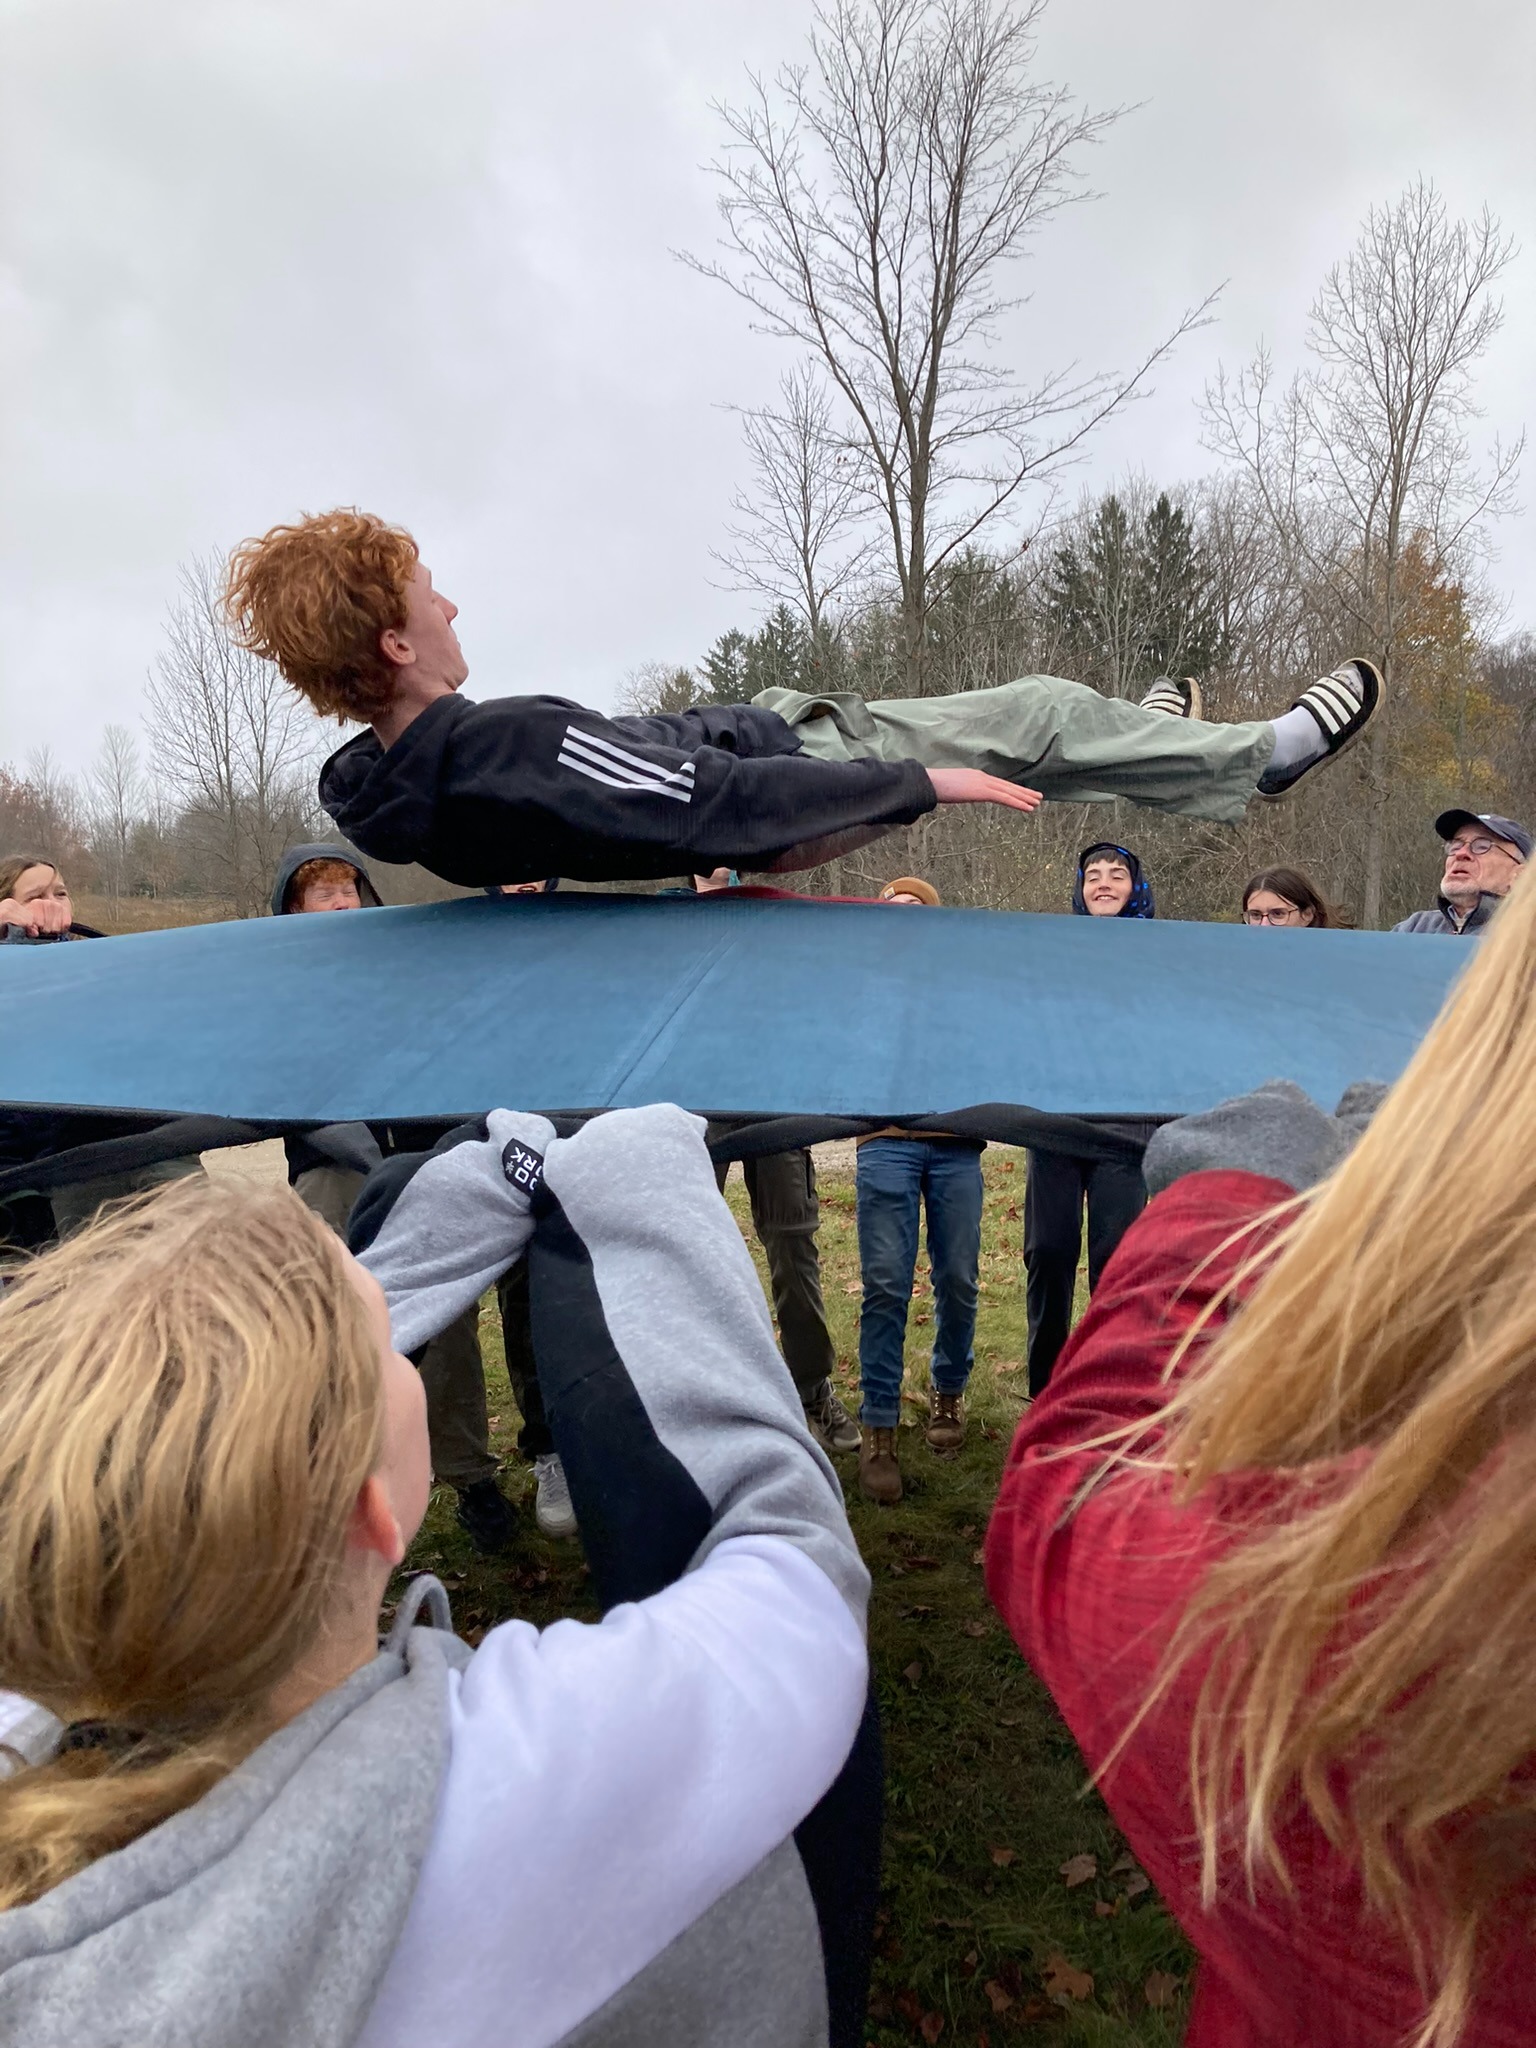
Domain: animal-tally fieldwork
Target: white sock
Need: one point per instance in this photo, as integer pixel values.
(1298, 742)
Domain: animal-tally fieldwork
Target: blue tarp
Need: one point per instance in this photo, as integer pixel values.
(729, 1006)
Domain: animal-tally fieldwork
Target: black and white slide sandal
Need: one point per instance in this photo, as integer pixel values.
(1343, 705)
(1177, 697)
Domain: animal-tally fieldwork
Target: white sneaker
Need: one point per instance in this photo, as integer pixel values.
(552, 1504)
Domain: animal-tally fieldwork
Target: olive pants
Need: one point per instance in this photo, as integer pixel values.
(1061, 738)
(786, 1215)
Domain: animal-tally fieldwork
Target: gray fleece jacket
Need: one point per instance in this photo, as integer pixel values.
(586, 1836)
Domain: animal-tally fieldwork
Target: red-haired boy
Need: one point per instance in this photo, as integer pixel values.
(517, 788)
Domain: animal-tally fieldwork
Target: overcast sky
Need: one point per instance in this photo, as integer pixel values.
(263, 258)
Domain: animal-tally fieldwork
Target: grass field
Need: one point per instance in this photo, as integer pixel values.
(984, 1937)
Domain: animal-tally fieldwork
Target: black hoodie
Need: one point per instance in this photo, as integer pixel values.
(524, 787)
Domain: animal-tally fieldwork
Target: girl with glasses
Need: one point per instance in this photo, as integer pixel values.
(1285, 896)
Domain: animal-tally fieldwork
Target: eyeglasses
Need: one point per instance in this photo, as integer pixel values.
(1480, 847)
(1271, 916)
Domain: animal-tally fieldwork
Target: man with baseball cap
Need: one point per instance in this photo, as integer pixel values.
(1483, 855)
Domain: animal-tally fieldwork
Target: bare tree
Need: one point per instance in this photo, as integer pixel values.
(795, 540)
(231, 740)
(115, 800)
(874, 199)
(1365, 454)
(660, 686)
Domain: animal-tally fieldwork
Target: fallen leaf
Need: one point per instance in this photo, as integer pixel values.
(494, 1423)
(1063, 1981)
(1137, 1883)
(1010, 1721)
(978, 1557)
(914, 1613)
(908, 2005)
(991, 1435)
(976, 1628)
(1161, 1990)
(924, 1318)
(1013, 1212)
(1003, 1857)
(998, 1998)
(966, 1531)
(1079, 1869)
(1011, 1365)
(913, 1672)
(930, 2026)
(1008, 1165)
(1119, 1869)
(922, 1564)
(853, 1287)
(1106, 1909)
(968, 1963)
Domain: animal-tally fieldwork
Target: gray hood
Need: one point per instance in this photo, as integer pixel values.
(295, 858)
(265, 1915)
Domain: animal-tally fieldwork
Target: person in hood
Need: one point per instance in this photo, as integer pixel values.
(1062, 1188)
(1483, 855)
(234, 1820)
(1110, 883)
(321, 878)
(522, 787)
(326, 1170)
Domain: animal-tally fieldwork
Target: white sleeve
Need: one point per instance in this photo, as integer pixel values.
(607, 1782)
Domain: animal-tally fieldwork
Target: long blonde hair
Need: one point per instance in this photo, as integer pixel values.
(1371, 1636)
(190, 1400)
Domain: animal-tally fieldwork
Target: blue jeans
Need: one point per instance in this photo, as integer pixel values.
(896, 1177)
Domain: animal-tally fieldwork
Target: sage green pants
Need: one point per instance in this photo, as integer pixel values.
(1061, 738)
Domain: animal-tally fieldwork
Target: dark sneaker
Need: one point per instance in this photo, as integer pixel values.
(1342, 705)
(488, 1515)
(1178, 696)
(552, 1508)
(829, 1421)
(879, 1473)
(946, 1420)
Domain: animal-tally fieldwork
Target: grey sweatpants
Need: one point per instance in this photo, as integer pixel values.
(452, 1370)
(1061, 738)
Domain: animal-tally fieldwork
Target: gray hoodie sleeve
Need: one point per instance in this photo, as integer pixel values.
(1276, 1130)
(674, 1415)
(435, 1229)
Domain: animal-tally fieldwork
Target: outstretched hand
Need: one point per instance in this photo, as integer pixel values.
(971, 786)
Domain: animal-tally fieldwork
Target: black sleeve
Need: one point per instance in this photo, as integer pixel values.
(711, 807)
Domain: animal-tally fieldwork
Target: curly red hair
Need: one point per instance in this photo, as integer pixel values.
(315, 597)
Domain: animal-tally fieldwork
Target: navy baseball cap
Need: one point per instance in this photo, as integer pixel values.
(1501, 828)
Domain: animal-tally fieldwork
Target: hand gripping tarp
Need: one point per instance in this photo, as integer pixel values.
(1008, 1025)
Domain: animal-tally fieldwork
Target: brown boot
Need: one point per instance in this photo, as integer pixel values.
(946, 1420)
(879, 1473)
